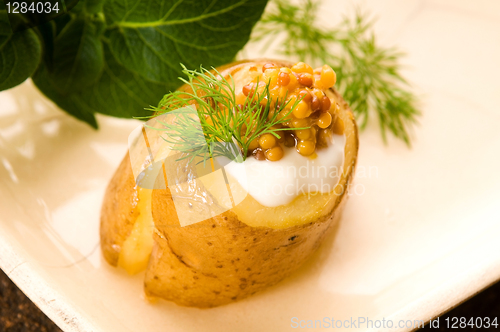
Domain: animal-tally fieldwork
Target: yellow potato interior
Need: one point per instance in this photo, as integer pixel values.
(137, 248)
(302, 210)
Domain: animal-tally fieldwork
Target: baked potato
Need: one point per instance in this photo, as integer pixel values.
(233, 254)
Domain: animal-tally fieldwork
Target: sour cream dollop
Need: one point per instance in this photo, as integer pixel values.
(275, 183)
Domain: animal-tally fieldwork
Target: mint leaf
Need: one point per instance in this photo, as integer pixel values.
(123, 93)
(118, 57)
(153, 37)
(20, 54)
(118, 92)
(70, 103)
(94, 6)
(78, 58)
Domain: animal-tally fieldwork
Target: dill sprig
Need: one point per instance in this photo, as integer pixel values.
(209, 122)
(367, 74)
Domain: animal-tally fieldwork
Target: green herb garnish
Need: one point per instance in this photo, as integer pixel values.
(219, 124)
(367, 74)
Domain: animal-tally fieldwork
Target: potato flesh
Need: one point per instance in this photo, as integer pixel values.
(136, 250)
(302, 210)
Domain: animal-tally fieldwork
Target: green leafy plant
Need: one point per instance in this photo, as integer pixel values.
(367, 74)
(204, 131)
(19, 54)
(116, 57)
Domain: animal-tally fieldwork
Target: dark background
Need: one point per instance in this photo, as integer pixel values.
(18, 313)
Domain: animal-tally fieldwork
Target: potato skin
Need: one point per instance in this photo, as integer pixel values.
(119, 211)
(221, 260)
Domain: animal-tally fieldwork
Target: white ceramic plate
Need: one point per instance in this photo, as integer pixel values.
(420, 236)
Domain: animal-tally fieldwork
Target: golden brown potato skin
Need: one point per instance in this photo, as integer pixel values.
(219, 260)
(118, 212)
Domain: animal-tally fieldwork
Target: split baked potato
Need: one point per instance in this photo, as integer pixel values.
(232, 255)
